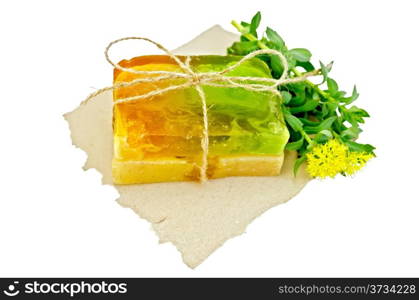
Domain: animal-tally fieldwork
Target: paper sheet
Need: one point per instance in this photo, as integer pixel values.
(196, 218)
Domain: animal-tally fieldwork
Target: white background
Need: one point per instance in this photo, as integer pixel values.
(57, 220)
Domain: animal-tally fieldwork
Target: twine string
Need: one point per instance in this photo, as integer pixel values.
(197, 80)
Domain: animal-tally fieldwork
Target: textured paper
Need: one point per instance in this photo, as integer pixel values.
(196, 218)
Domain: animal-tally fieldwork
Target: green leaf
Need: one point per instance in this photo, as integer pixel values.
(286, 97)
(323, 136)
(245, 24)
(275, 38)
(295, 145)
(246, 29)
(326, 124)
(355, 115)
(298, 164)
(300, 54)
(327, 133)
(329, 66)
(325, 111)
(243, 39)
(243, 48)
(339, 95)
(332, 106)
(359, 111)
(306, 65)
(276, 65)
(325, 70)
(353, 146)
(332, 86)
(291, 61)
(293, 121)
(255, 23)
(299, 90)
(297, 100)
(351, 133)
(308, 122)
(353, 97)
(308, 106)
(338, 125)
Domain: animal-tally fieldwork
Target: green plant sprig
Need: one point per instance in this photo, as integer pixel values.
(314, 113)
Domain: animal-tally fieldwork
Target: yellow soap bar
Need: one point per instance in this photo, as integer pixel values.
(158, 139)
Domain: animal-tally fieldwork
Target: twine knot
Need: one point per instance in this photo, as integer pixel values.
(196, 79)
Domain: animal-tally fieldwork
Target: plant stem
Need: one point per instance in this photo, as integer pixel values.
(247, 35)
(306, 137)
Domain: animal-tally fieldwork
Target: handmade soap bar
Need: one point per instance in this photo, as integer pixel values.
(158, 139)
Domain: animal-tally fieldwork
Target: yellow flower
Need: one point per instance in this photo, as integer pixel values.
(333, 158)
(355, 161)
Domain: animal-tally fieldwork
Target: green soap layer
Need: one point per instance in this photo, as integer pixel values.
(255, 125)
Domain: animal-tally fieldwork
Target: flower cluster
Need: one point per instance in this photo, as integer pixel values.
(334, 158)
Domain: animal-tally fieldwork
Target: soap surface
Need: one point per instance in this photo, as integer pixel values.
(162, 134)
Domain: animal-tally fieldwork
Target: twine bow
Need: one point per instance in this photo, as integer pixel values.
(197, 80)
